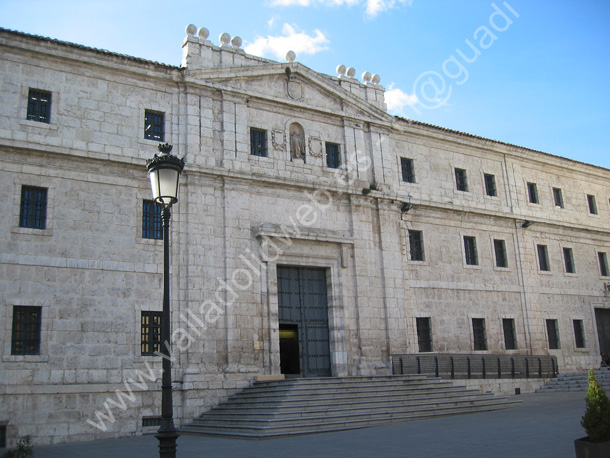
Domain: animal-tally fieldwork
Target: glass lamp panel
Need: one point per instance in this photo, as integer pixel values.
(154, 183)
(168, 185)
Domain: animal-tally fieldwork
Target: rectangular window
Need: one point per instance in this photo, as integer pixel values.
(154, 125)
(490, 185)
(532, 192)
(592, 204)
(500, 250)
(150, 341)
(461, 181)
(470, 250)
(26, 330)
(603, 264)
(258, 142)
(568, 260)
(558, 197)
(543, 258)
(552, 330)
(579, 334)
(479, 334)
(416, 245)
(408, 170)
(510, 337)
(33, 211)
(333, 156)
(3, 436)
(152, 226)
(424, 334)
(39, 106)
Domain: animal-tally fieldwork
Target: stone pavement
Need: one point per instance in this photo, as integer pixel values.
(544, 425)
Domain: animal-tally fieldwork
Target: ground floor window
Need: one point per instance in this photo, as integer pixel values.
(579, 334)
(424, 334)
(479, 334)
(510, 337)
(552, 330)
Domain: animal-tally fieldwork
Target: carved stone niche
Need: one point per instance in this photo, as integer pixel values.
(297, 142)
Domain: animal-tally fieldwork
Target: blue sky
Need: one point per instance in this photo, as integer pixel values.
(535, 73)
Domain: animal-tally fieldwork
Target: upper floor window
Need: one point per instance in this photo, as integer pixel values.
(152, 226)
(461, 180)
(424, 334)
(603, 264)
(39, 106)
(258, 142)
(150, 333)
(552, 330)
(407, 169)
(500, 251)
(558, 197)
(333, 155)
(568, 260)
(154, 125)
(490, 185)
(26, 330)
(416, 245)
(33, 211)
(532, 193)
(592, 204)
(470, 250)
(510, 337)
(543, 258)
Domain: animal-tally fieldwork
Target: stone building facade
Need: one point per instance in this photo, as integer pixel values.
(315, 234)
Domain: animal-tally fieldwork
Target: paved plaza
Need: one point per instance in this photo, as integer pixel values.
(543, 425)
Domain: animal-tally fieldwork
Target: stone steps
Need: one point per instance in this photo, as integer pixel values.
(304, 406)
(576, 381)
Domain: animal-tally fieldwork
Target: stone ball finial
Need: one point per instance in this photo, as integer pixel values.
(224, 38)
(341, 70)
(236, 42)
(366, 77)
(203, 33)
(191, 29)
(291, 56)
(376, 78)
(351, 72)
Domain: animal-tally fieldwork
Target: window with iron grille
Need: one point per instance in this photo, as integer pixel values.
(258, 142)
(407, 169)
(479, 334)
(568, 260)
(500, 251)
(151, 333)
(532, 192)
(26, 330)
(39, 106)
(152, 225)
(151, 421)
(490, 185)
(33, 211)
(333, 155)
(154, 125)
(510, 336)
(416, 245)
(461, 180)
(603, 264)
(470, 250)
(543, 258)
(552, 330)
(558, 197)
(592, 204)
(579, 334)
(424, 334)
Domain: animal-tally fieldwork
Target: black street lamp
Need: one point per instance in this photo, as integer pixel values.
(164, 172)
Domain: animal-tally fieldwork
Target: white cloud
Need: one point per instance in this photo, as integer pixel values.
(291, 40)
(372, 7)
(314, 2)
(396, 99)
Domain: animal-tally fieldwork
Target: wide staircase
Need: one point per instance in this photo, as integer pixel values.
(576, 381)
(313, 405)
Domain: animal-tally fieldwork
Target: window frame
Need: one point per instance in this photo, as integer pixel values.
(532, 193)
(558, 198)
(335, 148)
(39, 110)
(592, 205)
(425, 342)
(33, 211)
(510, 334)
(31, 327)
(552, 333)
(461, 179)
(580, 340)
(155, 130)
(491, 189)
(152, 223)
(542, 253)
(148, 339)
(262, 149)
(602, 259)
(471, 255)
(568, 260)
(407, 170)
(416, 245)
(503, 251)
(479, 334)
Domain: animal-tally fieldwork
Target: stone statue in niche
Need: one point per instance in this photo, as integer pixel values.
(297, 141)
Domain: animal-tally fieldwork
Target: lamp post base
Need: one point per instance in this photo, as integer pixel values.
(167, 443)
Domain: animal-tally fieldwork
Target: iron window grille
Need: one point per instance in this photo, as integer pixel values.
(151, 333)
(543, 258)
(152, 224)
(470, 250)
(258, 142)
(26, 330)
(592, 204)
(510, 337)
(552, 330)
(424, 334)
(154, 125)
(568, 260)
(603, 264)
(33, 211)
(500, 250)
(39, 106)
(532, 192)
(416, 245)
(490, 185)
(407, 170)
(151, 421)
(333, 156)
(558, 197)
(579, 334)
(461, 180)
(479, 334)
